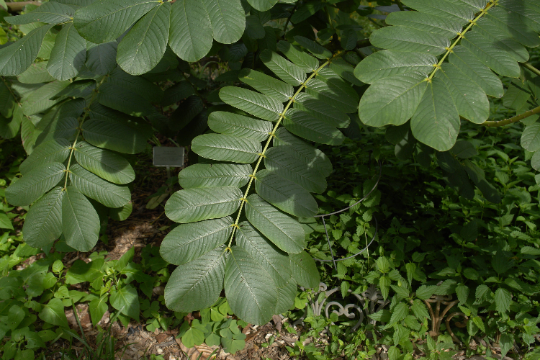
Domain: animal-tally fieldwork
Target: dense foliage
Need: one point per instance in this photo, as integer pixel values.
(252, 88)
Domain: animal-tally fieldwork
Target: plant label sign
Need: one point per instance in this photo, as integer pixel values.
(168, 156)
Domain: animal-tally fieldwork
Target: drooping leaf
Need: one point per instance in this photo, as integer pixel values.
(436, 121)
(197, 284)
(144, 46)
(196, 204)
(267, 85)
(294, 167)
(215, 175)
(321, 110)
(108, 129)
(48, 13)
(35, 183)
(227, 148)
(43, 223)
(285, 70)
(392, 100)
(17, 57)
(53, 313)
(56, 150)
(256, 104)
(80, 221)
(285, 194)
(190, 34)
(104, 163)
(101, 58)
(239, 126)
(188, 242)
(285, 232)
(68, 54)
(227, 18)
(96, 188)
(304, 270)
(274, 261)
(105, 20)
(250, 290)
(305, 61)
(42, 99)
(126, 300)
(303, 124)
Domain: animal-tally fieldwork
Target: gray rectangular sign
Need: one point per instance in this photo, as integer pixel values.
(168, 156)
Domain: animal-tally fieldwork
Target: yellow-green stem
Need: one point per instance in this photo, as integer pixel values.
(272, 134)
(79, 129)
(512, 119)
(461, 35)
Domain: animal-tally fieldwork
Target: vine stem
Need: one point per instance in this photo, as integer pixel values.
(272, 134)
(512, 119)
(461, 35)
(79, 130)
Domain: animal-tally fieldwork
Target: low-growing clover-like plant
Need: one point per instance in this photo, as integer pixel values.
(240, 210)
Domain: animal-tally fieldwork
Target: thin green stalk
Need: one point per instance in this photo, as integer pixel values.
(531, 68)
(461, 35)
(512, 119)
(272, 134)
(79, 129)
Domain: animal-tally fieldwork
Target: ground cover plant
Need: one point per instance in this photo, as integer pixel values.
(287, 110)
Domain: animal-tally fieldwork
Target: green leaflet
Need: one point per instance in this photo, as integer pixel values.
(404, 39)
(239, 126)
(334, 92)
(321, 110)
(121, 214)
(251, 292)
(109, 129)
(145, 44)
(53, 313)
(55, 150)
(386, 63)
(285, 232)
(227, 148)
(514, 25)
(436, 121)
(196, 204)
(40, 100)
(470, 100)
(471, 66)
(457, 11)
(311, 156)
(9, 128)
(530, 139)
(190, 34)
(35, 183)
(126, 300)
(285, 70)
(252, 102)
(304, 270)
(535, 161)
(267, 85)
(94, 187)
(392, 100)
(227, 18)
(214, 175)
(305, 61)
(48, 13)
(104, 163)
(17, 57)
(285, 194)
(101, 58)
(105, 20)
(262, 5)
(197, 284)
(188, 242)
(303, 124)
(68, 54)
(286, 295)
(43, 223)
(317, 50)
(434, 24)
(293, 167)
(274, 261)
(80, 221)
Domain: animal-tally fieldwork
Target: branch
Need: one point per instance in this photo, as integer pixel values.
(18, 6)
(513, 119)
(400, 5)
